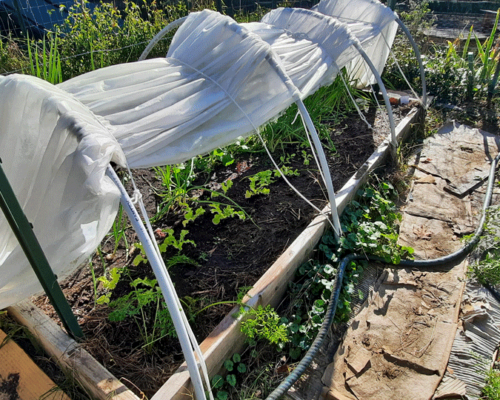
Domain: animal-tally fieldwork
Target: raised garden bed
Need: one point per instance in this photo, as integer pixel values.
(239, 253)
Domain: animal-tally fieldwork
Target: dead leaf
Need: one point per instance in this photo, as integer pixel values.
(424, 304)
(426, 179)
(160, 234)
(422, 233)
(284, 369)
(242, 167)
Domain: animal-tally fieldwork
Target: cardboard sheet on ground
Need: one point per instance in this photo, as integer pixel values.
(461, 155)
(437, 215)
(434, 219)
(398, 345)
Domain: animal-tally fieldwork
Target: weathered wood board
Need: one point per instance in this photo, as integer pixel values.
(21, 378)
(96, 379)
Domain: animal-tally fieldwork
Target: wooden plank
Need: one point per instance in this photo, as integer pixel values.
(20, 376)
(226, 338)
(96, 379)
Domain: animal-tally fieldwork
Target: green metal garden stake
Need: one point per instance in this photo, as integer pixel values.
(29, 243)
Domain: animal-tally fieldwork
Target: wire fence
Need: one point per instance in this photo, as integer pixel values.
(35, 17)
(19, 17)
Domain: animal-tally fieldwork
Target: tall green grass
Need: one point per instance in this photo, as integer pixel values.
(327, 107)
(90, 39)
(45, 61)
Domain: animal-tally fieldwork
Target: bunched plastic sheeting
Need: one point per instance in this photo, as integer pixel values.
(312, 46)
(375, 26)
(218, 83)
(54, 153)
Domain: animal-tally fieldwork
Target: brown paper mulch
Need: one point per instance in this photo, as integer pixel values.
(399, 344)
(397, 347)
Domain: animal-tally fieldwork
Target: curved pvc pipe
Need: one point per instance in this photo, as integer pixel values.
(324, 166)
(165, 284)
(419, 59)
(332, 306)
(394, 141)
(159, 36)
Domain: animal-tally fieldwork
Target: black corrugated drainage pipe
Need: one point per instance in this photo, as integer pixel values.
(332, 306)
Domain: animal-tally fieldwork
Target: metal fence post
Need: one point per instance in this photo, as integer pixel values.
(470, 81)
(20, 17)
(31, 247)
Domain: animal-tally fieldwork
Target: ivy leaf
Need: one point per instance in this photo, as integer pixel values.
(242, 368)
(222, 395)
(236, 358)
(229, 365)
(295, 353)
(217, 382)
(231, 379)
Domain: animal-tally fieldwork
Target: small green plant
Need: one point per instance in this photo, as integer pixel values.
(492, 389)
(370, 225)
(263, 323)
(176, 180)
(12, 57)
(109, 284)
(487, 269)
(45, 63)
(287, 171)
(169, 241)
(118, 230)
(235, 369)
(259, 183)
(306, 157)
(225, 186)
(221, 213)
(190, 215)
(145, 305)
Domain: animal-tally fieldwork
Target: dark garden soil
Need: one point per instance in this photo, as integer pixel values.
(231, 255)
(8, 387)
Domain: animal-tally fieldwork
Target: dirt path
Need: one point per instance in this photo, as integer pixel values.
(399, 344)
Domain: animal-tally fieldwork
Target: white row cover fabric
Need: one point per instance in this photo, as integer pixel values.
(218, 82)
(373, 24)
(313, 47)
(55, 153)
